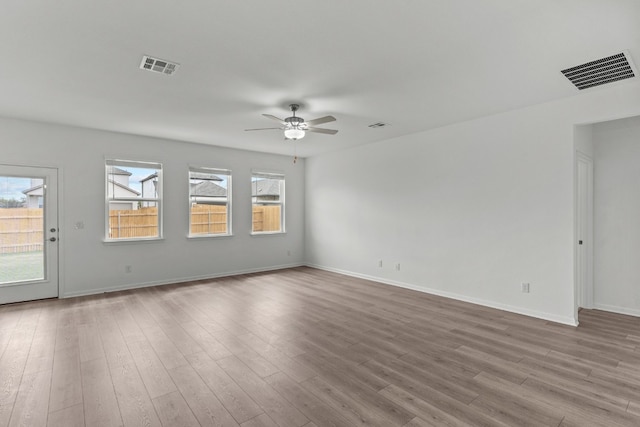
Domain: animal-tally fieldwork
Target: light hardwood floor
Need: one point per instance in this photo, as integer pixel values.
(304, 347)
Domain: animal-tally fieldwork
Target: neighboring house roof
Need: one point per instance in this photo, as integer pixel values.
(153, 175)
(124, 187)
(204, 176)
(113, 170)
(33, 191)
(265, 187)
(208, 189)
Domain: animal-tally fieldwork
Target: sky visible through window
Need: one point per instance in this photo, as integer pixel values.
(12, 187)
(137, 175)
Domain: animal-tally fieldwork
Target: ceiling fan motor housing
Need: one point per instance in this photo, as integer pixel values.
(294, 121)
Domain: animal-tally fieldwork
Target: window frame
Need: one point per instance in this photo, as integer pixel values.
(157, 166)
(281, 202)
(229, 204)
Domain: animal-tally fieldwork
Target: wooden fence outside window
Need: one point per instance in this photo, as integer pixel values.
(21, 228)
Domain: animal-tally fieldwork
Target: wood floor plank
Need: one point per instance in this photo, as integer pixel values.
(235, 400)
(419, 422)
(127, 324)
(12, 366)
(406, 388)
(430, 413)
(174, 411)
(100, 403)
(154, 375)
(72, 416)
(66, 336)
(278, 359)
(207, 342)
(277, 407)
(41, 354)
(311, 406)
(513, 409)
(165, 349)
(134, 402)
(356, 410)
(89, 342)
(32, 396)
(203, 403)
(260, 421)
(559, 395)
(396, 371)
(66, 379)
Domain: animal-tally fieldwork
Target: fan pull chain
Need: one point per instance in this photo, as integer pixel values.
(295, 152)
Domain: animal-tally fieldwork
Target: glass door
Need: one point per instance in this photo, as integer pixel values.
(28, 233)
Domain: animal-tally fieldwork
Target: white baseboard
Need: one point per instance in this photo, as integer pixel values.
(129, 286)
(513, 309)
(616, 309)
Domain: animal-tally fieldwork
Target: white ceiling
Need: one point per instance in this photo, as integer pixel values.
(415, 64)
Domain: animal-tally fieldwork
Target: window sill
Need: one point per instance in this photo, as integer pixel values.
(110, 242)
(207, 236)
(268, 233)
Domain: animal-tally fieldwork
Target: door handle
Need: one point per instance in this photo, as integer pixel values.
(52, 239)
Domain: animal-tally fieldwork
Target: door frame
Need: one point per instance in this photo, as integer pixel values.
(57, 172)
(583, 230)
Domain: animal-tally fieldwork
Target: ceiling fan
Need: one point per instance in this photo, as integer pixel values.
(295, 127)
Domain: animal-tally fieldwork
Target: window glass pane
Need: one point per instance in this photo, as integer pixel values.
(133, 199)
(267, 194)
(21, 229)
(209, 201)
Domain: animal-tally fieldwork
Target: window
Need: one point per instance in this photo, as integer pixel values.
(134, 200)
(267, 196)
(209, 202)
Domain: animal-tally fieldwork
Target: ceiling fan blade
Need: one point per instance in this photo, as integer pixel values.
(269, 116)
(264, 129)
(319, 121)
(320, 130)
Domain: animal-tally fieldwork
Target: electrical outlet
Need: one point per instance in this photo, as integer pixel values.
(128, 269)
(380, 263)
(525, 287)
(398, 266)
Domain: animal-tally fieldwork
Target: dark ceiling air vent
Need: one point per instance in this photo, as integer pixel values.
(378, 125)
(602, 71)
(158, 65)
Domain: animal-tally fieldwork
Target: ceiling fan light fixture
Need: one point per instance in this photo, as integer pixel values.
(294, 133)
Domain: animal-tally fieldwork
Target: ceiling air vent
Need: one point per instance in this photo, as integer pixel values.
(378, 125)
(602, 71)
(158, 65)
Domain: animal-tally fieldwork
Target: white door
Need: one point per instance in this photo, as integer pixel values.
(584, 231)
(28, 233)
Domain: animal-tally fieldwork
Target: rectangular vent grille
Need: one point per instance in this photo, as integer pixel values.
(378, 125)
(599, 72)
(158, 65)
